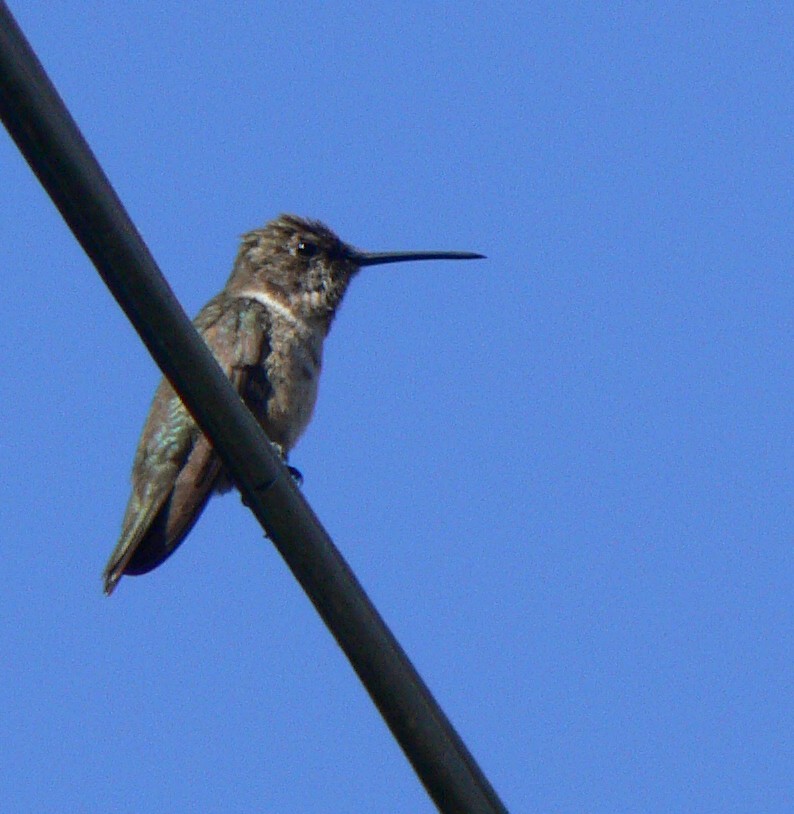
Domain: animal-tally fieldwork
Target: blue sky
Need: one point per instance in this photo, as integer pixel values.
(563, 474)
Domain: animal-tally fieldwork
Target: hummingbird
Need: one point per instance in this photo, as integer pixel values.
(266, 329)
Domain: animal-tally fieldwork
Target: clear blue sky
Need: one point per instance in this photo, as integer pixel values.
(563, 474)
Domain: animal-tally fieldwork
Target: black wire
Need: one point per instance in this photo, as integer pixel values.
(47, 136)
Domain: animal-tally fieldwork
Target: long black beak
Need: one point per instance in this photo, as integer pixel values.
(376, 258)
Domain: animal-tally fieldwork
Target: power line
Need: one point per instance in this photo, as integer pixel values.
(47, 136)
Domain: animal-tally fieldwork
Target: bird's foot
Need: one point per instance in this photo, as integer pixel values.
(297, 475)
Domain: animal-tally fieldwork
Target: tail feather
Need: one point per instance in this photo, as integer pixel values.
(139, 522)
(157, 523)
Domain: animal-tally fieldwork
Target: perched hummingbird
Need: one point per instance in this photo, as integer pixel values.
(266, 329)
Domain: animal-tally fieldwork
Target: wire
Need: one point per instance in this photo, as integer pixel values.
(47, 136)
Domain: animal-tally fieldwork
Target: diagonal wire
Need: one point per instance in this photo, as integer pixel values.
(47, 136)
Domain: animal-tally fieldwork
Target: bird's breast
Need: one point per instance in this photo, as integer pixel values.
(292, 369)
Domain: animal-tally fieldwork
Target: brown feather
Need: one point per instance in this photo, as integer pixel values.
(176, 470)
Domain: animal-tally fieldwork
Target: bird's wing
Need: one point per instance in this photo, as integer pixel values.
(175, 468)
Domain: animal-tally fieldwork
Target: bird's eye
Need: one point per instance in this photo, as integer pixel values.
(306, 249)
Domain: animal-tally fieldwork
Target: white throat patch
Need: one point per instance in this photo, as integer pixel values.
(272, 304)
